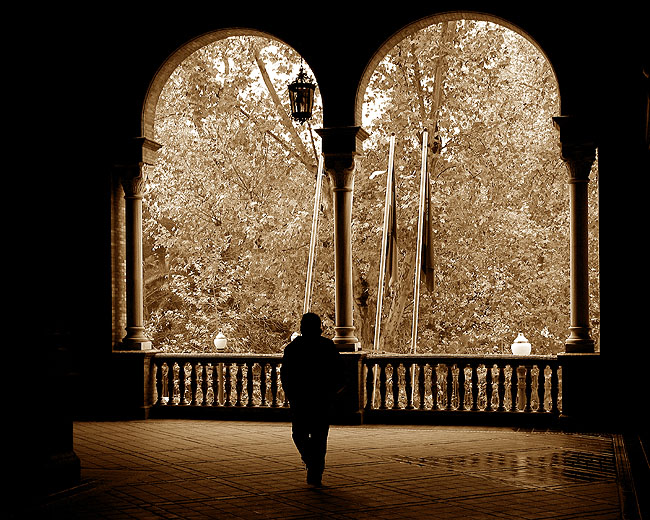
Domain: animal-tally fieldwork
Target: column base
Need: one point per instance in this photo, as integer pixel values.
(579, 342)
(135, 340)
(345, 340)
(135, 344)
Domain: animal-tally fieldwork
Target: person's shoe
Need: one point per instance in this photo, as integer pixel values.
(314, 478)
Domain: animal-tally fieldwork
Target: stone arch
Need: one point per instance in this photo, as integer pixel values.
(174, 60)
(578, 146)
(422, 24)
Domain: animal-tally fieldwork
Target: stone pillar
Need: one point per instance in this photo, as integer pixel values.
(133, 181)
(579, 152)
(340, 147)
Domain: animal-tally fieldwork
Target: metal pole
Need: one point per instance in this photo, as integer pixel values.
(418, 256)
(314, 236)
(418, 251)
(382, 257)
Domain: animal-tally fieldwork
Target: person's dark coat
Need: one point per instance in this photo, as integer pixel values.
(311, 373)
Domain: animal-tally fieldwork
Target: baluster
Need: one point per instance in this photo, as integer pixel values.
(274, 384)
(181, 383)
(421, 389)
(370, 383)
(204, 383)
(434, 386)
(461, 387)
(488, 387)
(217, 381)
(262, 383)
(239, 384)
(194, 383)
(474, 381)
(249, 382)
(171, 382)
(382, 385)
(450, 385)
(555, 389)
(514, 387)
(501, 388)
(529, 388)
(396, 366)
(227, 385)
(408, 385)
(159, 383)
(541, 387)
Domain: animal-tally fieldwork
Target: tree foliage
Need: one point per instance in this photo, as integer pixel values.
(228, 208)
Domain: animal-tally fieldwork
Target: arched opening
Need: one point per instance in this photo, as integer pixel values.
(228, 202)
(499, 195)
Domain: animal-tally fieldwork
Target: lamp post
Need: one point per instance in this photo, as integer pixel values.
(301, 96)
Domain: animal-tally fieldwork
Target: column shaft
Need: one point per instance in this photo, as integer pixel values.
(342, 178)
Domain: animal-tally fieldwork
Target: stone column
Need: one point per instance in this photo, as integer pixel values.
(133, 181)
(579, 152)
(340, 147)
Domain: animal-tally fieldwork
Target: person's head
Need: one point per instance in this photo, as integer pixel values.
(310, 324)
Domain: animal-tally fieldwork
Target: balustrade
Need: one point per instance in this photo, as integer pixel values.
(463, 384)
(405, 386)
(218, 381)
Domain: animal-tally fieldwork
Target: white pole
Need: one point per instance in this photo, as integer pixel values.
(384, 241)
(382, 257)
(314, 236)
(418, 257)
(418, 251)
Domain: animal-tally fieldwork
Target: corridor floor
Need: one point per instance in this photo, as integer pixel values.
(183, 469)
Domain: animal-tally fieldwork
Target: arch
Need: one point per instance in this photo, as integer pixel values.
(422, 24)
(176, 58)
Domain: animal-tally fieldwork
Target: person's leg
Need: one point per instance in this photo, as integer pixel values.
(300, 436)
(317, 450)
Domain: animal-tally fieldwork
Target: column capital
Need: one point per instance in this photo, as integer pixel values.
(134, 180)
(342, 140)
(139, 153)
(577, 138)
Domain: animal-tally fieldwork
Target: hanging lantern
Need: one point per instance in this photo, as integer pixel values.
(301, 96)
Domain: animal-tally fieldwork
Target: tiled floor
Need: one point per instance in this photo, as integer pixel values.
(206, 469)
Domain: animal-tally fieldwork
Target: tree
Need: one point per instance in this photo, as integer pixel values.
(228, 208)
(499, 189)
(228, 211)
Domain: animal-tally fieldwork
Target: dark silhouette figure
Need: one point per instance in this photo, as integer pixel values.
(312, 375)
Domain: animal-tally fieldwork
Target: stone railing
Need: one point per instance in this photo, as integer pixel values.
(390, 388)
(219, 385)
(461, 387)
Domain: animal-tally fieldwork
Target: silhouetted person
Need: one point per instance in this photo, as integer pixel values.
(312, 375)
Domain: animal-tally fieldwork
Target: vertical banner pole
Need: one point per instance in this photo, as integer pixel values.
(418, 252)
(382, 258)
(314, 236)
(384, 241)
